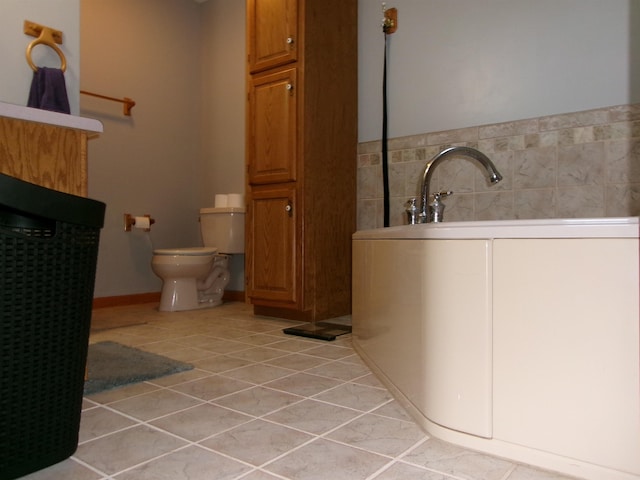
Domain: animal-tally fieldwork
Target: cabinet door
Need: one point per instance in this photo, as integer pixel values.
(272, 244)
(272, 141)
(272, 27)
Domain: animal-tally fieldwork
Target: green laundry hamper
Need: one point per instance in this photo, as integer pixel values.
(48, 255)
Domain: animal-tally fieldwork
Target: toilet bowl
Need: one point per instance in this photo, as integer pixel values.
(195, 277)
(180, 269)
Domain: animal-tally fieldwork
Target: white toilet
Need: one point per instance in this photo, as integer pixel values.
(196, 277)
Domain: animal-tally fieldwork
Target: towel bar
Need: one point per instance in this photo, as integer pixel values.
(126, 108)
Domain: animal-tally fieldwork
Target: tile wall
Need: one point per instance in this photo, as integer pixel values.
(574, 165)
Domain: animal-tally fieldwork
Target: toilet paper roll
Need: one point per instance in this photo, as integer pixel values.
(221, 200)
(235, 200)
(142, 222)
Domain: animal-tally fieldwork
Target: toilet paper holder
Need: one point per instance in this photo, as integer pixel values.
(144, 222)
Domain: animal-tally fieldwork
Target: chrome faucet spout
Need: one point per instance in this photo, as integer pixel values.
(494, 175)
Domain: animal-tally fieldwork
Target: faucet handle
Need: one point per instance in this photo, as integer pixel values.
(440, 195)
(412, 211)
(436, 208)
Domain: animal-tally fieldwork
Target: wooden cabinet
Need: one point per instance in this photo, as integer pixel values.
(273, 140)
(273, 243)
(272, 28)
(47, 155)
(301, 156)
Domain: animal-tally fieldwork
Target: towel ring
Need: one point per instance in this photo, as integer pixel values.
(46, 38)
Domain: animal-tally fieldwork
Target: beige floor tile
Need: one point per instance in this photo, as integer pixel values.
(292, 345)
(260, 475)
(201, 421)
(402, 471)
(258, 401)
(304, 384)
(182, 377)
(212, 344)
(359, 397)
(188, 355)
(524, 472)
(246, 409)
(258, 373)
(192, 463)
(323, 459)
(124, 449)
(298, 361)
(113, 395)
(257, 442)
(340, 370)
(66, 470)
(456, 461)
(370, 380)
(99, 421)
(220, 363)
(258, 354)
(330, 352)
(313, 417)
(383, 435)
(393, 410)
(213, 387)
(154, 404)
(259, 339)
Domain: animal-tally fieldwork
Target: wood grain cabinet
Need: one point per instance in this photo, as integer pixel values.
(272, 28)
(301, 156)
(47, 155)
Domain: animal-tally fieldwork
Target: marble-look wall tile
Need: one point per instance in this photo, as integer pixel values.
(494, 206)
(581, 164)
(535, 203)
(535, 168)
(622, 200)
(623, 161)
(581, 202)
(453, 136)
(507, 129)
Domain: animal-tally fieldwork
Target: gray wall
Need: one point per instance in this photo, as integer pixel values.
(453, 63)
(184, 67)
(459, 63)
(63, 15)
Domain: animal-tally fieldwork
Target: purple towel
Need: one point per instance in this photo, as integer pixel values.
(49, 90)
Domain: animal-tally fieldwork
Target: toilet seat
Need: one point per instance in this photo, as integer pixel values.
(187, 251)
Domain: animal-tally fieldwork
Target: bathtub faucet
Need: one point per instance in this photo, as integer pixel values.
(494, 176)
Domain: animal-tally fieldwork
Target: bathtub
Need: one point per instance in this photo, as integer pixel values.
(515, 338)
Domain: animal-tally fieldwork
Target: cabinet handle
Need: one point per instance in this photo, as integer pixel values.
(290, 87)
(289, 40)
(289, 208)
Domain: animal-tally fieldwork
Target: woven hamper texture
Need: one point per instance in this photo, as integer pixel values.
(47, 273)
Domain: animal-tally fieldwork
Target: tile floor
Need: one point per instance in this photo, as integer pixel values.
(258, 405)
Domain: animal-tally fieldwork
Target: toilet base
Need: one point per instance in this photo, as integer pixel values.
(180, 294)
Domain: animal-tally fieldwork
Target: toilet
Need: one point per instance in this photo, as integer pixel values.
(195, 277)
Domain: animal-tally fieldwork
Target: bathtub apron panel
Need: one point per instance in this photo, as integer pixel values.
(519, 338)
(566, 348)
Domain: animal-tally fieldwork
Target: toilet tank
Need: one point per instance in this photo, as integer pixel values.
(223, 228)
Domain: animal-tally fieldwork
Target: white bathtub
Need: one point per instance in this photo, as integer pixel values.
(516, 338)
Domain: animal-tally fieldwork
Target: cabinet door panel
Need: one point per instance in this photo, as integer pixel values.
(272, 245)
(272, 128)
(273, 33)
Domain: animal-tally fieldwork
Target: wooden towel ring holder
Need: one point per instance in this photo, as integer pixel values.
(46, 36)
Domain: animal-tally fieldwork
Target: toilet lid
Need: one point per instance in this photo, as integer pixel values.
(191, 251)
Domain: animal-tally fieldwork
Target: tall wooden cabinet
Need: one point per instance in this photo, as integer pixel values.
(301, 156)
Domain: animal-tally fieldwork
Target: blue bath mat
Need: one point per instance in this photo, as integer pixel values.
(112, 365)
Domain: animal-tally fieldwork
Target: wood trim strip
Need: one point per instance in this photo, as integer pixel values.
(153, 297)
